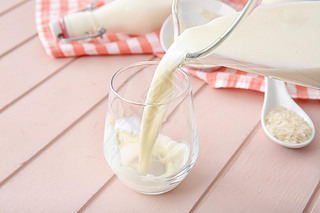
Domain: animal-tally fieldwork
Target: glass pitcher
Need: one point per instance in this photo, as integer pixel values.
(284, 42)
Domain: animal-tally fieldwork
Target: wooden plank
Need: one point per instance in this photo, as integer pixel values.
(63, 177)
(225, 118)
(9, 5)
(17, 26)
(316, 207)
(43, 114)
(25, 67)
(314, 201)
(268, 177)
(75, 162)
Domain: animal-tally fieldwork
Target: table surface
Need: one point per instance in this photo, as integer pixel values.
(52, 115)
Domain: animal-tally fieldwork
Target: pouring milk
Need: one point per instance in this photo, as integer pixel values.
(281, 41)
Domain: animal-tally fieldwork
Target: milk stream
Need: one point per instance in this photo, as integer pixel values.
(281, 40)
(159, 92)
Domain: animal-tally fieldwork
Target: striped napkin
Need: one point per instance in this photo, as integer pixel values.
(118, 43)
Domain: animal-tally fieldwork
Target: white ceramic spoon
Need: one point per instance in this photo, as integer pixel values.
(276, 95)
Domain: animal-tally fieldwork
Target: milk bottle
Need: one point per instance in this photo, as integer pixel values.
(135, 17)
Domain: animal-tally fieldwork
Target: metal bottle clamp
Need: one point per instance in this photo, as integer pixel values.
(100, 32)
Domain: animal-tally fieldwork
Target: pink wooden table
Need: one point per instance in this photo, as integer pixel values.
(52, 115)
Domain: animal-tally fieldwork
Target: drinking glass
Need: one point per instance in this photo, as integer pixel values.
(176, 148)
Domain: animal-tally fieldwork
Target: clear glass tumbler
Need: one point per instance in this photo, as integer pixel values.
(176, 148)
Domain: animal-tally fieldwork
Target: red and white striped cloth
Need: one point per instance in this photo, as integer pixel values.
(231, 78)
(109, 44)
(118, 43)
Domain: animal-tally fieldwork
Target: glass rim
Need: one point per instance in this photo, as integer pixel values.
(172, 99)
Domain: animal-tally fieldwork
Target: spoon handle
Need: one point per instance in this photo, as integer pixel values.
(277, 87)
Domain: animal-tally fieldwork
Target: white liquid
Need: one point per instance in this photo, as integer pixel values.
(284, 36)
(134, 17)
(160, 91)
(121, 149)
